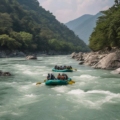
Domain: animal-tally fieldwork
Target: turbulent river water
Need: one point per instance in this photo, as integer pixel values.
(94, 96)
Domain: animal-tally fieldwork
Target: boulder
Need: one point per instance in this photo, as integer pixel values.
(5, 73)
(79, 56)
(73, 55)
(31, 57)
(87, 55)
(117, 71)
(81, 62)
(110, 61)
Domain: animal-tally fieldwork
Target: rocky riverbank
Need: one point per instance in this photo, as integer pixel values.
(105, 59)
(16, 53)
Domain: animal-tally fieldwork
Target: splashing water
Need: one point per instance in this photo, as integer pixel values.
(94, 96)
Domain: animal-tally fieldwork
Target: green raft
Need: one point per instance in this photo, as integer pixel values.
(65, 70)
(57, 82)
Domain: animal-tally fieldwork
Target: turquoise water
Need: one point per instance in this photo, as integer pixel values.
(94, 96)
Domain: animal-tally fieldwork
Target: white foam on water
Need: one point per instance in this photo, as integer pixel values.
(14, 113)
(60, 89)
(10, 112)
(4, 112)
(93, 99)
(83, 79)
(30, 95)
(84, 70)
(80, 70)
(52, 63)
(34, 84)
(100, 92)
(45, 74)
(21, 67)
(89, 70)
(81, 83)
(39, 67)
(88, 77)
(24, 88)
(76, 92)
(30, 72)
(114, 72)
(12, 83)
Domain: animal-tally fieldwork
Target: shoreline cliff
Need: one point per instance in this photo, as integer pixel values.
(104, 59)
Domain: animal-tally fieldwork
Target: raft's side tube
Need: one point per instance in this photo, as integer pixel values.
(65, 70)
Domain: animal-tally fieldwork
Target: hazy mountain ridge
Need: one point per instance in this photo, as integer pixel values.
(84, 27)
(74, 23)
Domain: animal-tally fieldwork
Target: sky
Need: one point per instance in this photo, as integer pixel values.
(67, 10)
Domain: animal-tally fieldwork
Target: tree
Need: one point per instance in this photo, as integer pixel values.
(7, 42)
(116, 2)
(5, 23)
(33, 27)
(107, 31)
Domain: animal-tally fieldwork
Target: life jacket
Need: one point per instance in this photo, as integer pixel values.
(52, 76)
(62, 77)
(66, 77)
(49, 76)
(59, 77)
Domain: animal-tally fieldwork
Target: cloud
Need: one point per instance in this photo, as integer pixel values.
(66, 10)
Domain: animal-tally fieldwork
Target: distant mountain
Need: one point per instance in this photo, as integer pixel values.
(74, 23)
(84, 26)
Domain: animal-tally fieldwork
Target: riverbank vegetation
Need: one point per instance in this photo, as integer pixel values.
(26, 26)
(107, 31)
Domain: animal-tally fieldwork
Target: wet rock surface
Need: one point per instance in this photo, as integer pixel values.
(109, 60)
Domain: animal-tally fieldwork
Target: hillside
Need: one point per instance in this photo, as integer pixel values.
(107, 32)
(26, 26)
(75, 23)
(84, 26)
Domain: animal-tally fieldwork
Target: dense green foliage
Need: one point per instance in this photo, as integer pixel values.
(107, 31)
(24, 25)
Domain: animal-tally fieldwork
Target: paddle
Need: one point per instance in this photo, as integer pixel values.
(38, 83)
(74, 69)
(71, 82)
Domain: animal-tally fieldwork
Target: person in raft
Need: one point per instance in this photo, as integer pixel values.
(62, 77)
(62, 67)
(50, 77)
(69, 67)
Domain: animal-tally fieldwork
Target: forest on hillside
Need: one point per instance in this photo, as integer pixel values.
(26, 26)
(107, 31)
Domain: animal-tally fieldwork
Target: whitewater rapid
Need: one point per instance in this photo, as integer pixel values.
(94, 96)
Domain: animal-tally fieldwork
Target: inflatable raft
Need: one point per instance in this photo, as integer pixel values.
(58, 82)
(64, 70)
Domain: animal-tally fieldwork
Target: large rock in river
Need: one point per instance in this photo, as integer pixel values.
(110, 61)
(31, 57)
(117, 71)
(73, 55)
(5, 73)
(93, 58)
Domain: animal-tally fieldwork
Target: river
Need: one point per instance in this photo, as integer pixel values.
(94, 96)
